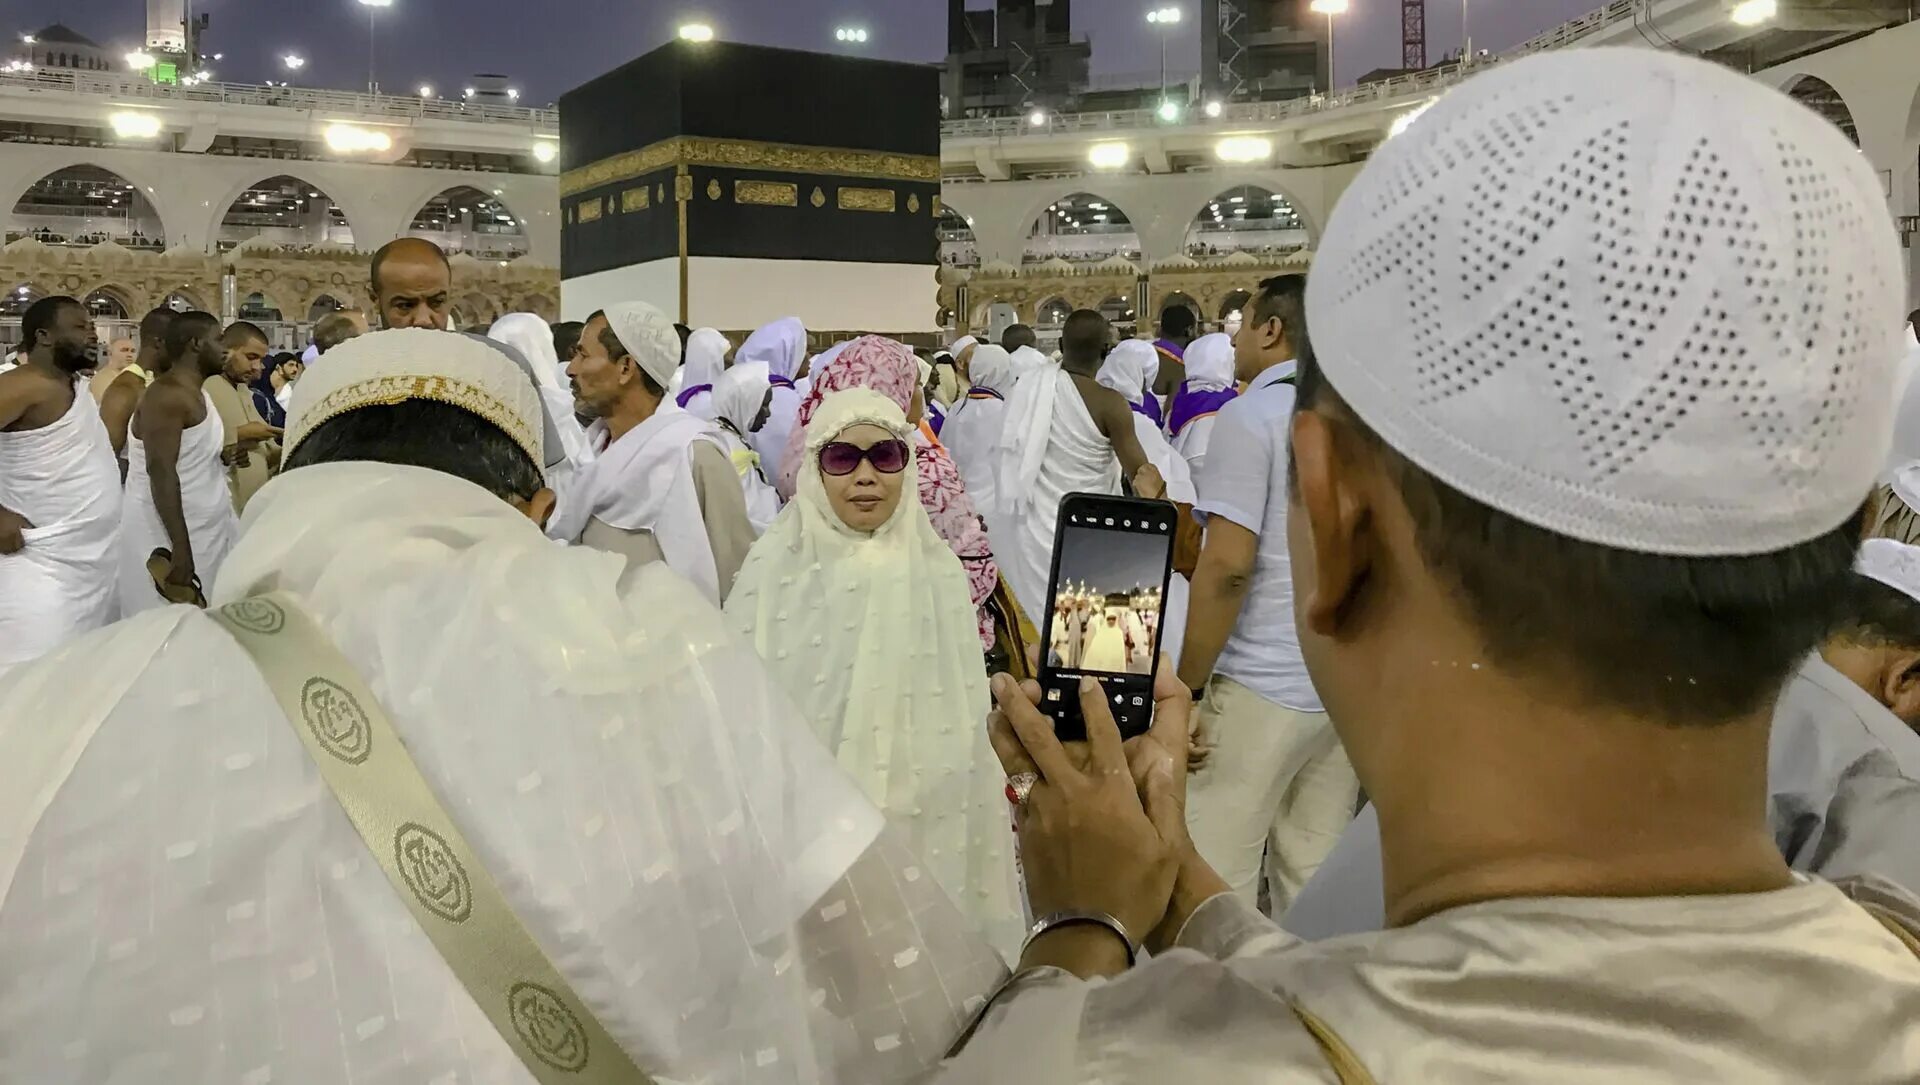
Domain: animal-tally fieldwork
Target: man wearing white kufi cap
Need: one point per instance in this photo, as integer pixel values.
(1602, 354)
(660, 487)
(430, 798)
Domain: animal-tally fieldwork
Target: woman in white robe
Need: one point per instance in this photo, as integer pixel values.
(533, 338)
(706, 360)
(871, 629)
(782, 345)
(976, 424)
(1129, 371)
(1209, 386)
(739, 398)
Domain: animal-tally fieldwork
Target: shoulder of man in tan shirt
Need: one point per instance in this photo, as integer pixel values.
(723, 509)
(1797, 985)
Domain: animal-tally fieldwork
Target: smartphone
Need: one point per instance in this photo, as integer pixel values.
(1107, 599)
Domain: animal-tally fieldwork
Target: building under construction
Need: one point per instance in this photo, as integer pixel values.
(1262, 50)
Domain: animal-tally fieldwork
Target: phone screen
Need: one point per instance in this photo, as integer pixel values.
(1107, 603)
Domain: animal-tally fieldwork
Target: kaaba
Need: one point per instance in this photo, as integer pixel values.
(732, 185)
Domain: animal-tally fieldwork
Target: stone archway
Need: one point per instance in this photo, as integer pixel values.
(959, 246)
(19, 297)
(1080, 228)
(111, 301)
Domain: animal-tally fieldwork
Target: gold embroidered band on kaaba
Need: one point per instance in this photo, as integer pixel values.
(743, 154)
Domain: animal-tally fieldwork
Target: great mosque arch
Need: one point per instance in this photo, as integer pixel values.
(285, 208)
(1079, 227)
(466, 218)
(82, 198)
(959, 245)
(19, 297)
(1246, 218)
(112, 301)
(1820, 96)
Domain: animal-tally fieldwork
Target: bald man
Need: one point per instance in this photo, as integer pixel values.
(411, 285)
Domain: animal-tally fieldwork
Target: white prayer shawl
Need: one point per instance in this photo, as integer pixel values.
(644, 482)
(533, 338)
(1029, 360)
(974, 428)
(1131, 369)
(706, 360)
(875, 637)
(66, 580)
(1906, 412)
(1051, 448)
(205, 500)
(655, 811)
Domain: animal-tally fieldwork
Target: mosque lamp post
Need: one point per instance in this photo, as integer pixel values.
(1330, 8)
(1166, 19)
(373, 41)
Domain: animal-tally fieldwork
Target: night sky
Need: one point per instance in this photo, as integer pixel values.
(547, 46)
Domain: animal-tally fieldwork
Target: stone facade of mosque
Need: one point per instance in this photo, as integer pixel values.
(1212, 288)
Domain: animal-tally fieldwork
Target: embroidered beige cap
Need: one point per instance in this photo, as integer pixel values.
(388, 367)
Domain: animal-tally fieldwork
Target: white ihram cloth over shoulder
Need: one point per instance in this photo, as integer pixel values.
(185, 901)
(66, 580)
(875, 637)
(1051, 448)
(644, 482)
(975, 425)
(206, 500)
(533, 338)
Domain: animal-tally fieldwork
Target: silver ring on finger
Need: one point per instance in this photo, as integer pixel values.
(1020, 787)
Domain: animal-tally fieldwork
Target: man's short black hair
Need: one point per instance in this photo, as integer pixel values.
(1176, 320)
(380, 256)
(188, 328)
(1282, 298)
(1017, 336)
(240, 333)
(617, 350)
(1879, 616)
(153, 327)
(41, 316)
(1688, 641)
(566, 336)
(424, 433)
(1085, 334)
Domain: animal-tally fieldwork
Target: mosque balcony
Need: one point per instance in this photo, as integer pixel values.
(93, 108)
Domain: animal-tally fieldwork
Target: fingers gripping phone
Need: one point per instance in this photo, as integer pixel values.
(1107, 598)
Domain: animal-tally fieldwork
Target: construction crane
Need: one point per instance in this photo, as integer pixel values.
(1413, 34)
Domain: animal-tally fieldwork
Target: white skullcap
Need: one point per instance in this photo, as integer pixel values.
(1895, 564)
(387, 367)
(649, 336)
(1627, 296)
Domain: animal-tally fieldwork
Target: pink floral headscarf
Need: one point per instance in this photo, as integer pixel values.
(889, 368)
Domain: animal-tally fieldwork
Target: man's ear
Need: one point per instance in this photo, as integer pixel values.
(539, 508)
(1334, 510)
(1900, 686)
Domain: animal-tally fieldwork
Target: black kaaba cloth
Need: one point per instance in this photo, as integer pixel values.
(776, 154)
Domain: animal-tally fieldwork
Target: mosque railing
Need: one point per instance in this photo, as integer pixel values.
(350, 104)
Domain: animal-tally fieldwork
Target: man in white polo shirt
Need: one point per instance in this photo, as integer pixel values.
(1277, 789)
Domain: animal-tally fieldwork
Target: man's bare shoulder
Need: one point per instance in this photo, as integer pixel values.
(33, 399)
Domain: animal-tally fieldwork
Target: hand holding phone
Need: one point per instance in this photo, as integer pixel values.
(1112, 558)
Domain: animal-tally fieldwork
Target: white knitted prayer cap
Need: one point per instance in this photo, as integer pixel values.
(387, 367)
(1895, 564)
(649, 336)
(1624, 295)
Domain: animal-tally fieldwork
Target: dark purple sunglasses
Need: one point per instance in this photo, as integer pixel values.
(840, 458)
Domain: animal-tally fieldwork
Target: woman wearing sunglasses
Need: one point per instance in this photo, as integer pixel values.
(863, 615)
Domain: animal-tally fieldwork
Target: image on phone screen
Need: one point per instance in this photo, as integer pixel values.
(1106, 608)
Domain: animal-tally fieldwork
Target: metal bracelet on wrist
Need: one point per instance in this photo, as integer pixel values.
(1053, 921)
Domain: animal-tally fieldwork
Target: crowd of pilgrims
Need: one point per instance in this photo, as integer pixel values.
(857, 536)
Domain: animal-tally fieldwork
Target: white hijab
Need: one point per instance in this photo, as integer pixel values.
(1210, 363)
(533, 338)
(781, 344)
(992, 369)
(1130, 369)
(738, 396)
(706, 360)
(874, 636)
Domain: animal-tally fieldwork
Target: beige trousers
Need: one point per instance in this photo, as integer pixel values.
(1276, 793)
